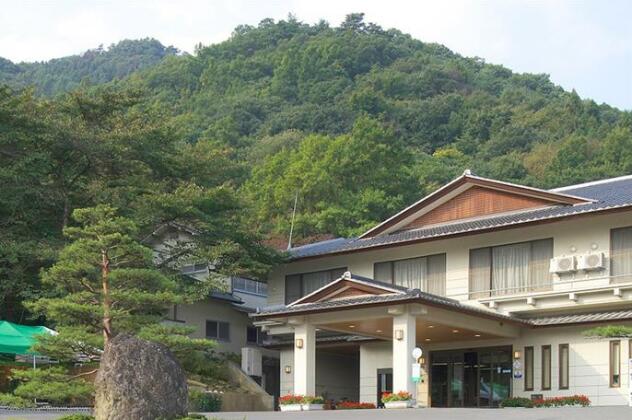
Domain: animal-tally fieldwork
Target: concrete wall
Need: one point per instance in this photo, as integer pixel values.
(583, 234)
(337, 374)
(588, 364)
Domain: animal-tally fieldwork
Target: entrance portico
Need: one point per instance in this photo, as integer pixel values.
(380, 314)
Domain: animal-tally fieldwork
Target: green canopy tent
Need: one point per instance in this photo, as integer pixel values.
(18, 339)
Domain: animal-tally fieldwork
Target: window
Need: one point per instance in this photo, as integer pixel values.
(250, 286)
(563, 359)
(194, 268)
(546, 368)
(253, 335)
(218, 330)
(423, 273)
(509, 269)
(615, 364)
(621, 255)
(299, 285)
(528, 368)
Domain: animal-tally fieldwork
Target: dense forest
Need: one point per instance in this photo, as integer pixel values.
(95, 66)
(356, 121)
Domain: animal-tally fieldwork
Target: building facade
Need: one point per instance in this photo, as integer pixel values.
(495, 282)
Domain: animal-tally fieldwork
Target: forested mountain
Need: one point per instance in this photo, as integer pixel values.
(95, 66)
(356, 121)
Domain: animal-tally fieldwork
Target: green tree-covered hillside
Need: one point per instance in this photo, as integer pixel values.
(95, 66)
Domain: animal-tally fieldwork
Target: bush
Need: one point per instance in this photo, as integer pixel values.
(204, 401)
(290, 399)
(517, 402)
(13, 401)
(53, 385)
(76, 417)
(352, 405)
(400, 396)
(193, 417)
(309, 399)
(579, 400)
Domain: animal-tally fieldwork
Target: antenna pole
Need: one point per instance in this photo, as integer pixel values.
(289, 242)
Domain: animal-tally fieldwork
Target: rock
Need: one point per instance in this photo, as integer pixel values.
(139, 380)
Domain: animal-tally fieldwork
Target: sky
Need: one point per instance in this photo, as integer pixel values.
(584, 45)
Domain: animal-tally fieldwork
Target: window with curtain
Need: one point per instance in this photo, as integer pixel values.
(528, 368)
(564, 362)
(424, 273)
(510, 269)
(621, 255)
(546, 368)
(615, 364)
(299, 285)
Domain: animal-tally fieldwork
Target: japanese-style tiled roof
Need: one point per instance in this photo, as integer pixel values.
(582, 318)
(610, 194)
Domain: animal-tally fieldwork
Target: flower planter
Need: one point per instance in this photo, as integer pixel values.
(291, 407)
(312, 407)
(399, 404)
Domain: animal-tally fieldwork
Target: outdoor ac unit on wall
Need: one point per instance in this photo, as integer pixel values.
(565, 264)
(592, 261)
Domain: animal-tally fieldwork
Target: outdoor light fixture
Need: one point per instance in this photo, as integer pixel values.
(299, 343)
(477, 335)
(455, 331)
(351, 326)
(399, 334)
(517, 354)
(288, 369)
(427, 339)
(378, 331)
(430, 326)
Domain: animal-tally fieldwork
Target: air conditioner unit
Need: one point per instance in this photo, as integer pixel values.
(565, 264)
(592, 261)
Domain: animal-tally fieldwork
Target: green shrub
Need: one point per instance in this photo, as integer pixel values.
(13, 401)
(204, 401)
(53, 385)
(517, 402)
(193, 417)
(76, 417)
(576, 400)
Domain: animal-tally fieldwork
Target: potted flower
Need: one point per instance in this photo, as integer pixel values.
(290, 402)
(310, 403)
(402, 399)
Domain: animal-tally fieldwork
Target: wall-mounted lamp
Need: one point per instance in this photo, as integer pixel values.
(421, 360)
(517, 354)
(287, 369)
(399, 334)
(299, 343)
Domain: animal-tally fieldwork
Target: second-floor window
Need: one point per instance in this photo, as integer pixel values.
(621, 255)
(509, 269)
(424, 273)
(299, 285)
(250, 286)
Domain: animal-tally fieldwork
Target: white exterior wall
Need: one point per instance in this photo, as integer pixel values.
(589, 364)
(581, 233)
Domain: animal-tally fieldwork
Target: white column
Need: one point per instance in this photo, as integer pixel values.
(404, 341)
(305, 360)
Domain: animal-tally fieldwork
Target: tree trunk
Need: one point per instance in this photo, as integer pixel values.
(107, 303)
(66, 215)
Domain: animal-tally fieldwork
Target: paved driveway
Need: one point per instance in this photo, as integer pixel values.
(592, 413)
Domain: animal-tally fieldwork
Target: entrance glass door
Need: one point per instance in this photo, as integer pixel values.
(384, 384)
(470, 378)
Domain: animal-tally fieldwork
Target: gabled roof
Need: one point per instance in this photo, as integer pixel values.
(457, 186)
(613, 194)
(350, 286)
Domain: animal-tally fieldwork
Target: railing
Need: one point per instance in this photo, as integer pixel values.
(562, 285)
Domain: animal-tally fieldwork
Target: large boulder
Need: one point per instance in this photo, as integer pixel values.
(139, 380)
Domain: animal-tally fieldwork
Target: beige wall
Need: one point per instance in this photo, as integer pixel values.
(581, 233)
(588, 364)
(196, 314)
(337, 374)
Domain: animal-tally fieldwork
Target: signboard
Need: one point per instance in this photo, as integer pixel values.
(517, 369)
(630, 381)
(416, 372)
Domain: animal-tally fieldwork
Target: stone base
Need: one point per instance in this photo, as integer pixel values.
(312, 407)
(290, 407)
(399, 404)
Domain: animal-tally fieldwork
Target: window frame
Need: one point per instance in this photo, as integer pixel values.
(257, 283)
(490, 291)
(218, 323)
(564, 368)
(611, 353)
(610, 259)
(546, 348)
(300, 281)
(392, 264)
(529, 368)
(258, 336)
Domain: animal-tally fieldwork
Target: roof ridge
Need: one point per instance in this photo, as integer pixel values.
(591, 183)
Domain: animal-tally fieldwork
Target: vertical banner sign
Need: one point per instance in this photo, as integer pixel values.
(416, 372)
(630, 380)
